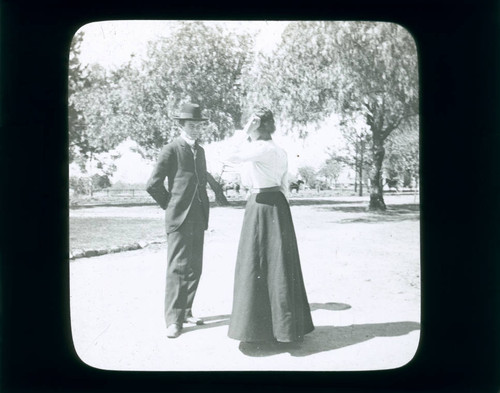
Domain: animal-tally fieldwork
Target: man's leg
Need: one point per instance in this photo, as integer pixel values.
(178, 257)
(197, 220)
(185, 259)
(196, 266)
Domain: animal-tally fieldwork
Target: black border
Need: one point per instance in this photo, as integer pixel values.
(458, 59)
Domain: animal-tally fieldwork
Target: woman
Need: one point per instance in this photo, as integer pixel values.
(270, 301)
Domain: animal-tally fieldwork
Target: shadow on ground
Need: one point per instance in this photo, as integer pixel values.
(221, 320)
(322, 339)
(329, 306)
(329, 338)
(210, 322)
(403, 212)
(394, 213)
(301, 202)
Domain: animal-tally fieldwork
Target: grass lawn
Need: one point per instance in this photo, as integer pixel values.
(105, 226)
(91, 233)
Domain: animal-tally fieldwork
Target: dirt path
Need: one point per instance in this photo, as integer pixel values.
(362, 275)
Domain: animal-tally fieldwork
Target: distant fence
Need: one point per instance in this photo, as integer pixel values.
(140, 193)
(115, 192)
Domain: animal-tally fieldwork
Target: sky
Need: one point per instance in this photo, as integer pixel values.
(111, 43)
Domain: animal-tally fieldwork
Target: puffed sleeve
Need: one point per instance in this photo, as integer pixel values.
(284, 179)
(250, 151)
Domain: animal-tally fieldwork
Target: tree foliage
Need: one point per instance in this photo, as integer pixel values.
(359, 70)
(355, 153)
(382, 75)
(200, 63)
(331, 170)
(76, 80)
(308, 175)
(402, 155)
(101, 124)
(92, 116)
(351, 68)
(298, 78)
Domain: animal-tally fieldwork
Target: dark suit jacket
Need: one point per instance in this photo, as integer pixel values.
(177, 163)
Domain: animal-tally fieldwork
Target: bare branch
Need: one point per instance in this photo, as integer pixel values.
(392, 126)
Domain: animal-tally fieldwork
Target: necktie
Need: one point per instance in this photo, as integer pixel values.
(195, 151)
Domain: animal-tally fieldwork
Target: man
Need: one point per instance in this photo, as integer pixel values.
(186, 207)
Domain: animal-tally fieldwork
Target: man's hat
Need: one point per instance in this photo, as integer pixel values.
(190, 112)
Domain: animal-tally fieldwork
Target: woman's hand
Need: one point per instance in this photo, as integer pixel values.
(252, 124)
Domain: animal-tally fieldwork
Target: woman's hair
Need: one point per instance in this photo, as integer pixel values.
(266, 120)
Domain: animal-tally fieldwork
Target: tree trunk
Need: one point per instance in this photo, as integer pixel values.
(361, 163)
(377, 191)
(220, 198)
(360, 177)
(356, 171)
(90, 177)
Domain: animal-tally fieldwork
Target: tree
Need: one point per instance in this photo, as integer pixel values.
(308, 175)
(383, 86)
(296, 79)
(330, 170)
(402, 152)
(101, 126)
(198, 62)
(92, 115)
(355, 155)
(351, 68)
(76, 80)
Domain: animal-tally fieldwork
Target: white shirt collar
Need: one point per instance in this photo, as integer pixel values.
(189, 140)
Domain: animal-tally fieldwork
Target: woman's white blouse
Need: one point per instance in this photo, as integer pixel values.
(264, 164)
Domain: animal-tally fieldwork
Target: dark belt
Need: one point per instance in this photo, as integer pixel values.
(267, 189)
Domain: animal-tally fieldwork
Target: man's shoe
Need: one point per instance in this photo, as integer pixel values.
(194, 320)
(173, 331)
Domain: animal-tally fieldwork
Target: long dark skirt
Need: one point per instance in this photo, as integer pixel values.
(270, 301)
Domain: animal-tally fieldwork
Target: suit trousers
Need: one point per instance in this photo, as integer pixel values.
(184, 265)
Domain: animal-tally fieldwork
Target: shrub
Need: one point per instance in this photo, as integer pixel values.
(100, 181)
(80, 185)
